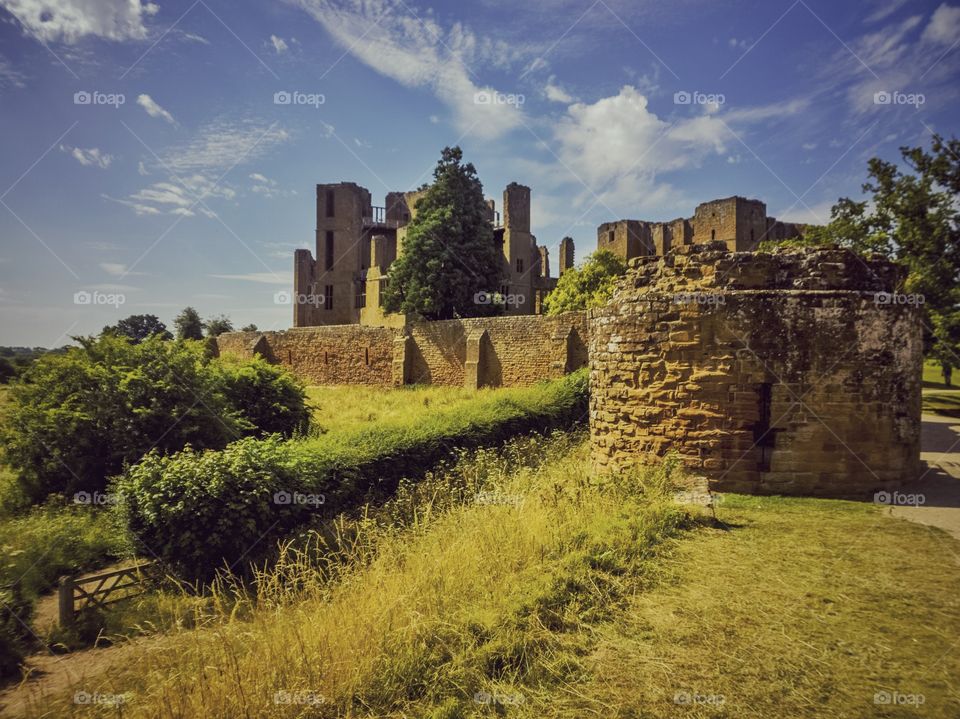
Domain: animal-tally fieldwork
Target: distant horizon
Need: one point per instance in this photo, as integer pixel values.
(167, 152)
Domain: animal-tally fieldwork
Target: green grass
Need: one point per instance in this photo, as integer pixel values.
(566, 595)
(342, 409)
(801, 608)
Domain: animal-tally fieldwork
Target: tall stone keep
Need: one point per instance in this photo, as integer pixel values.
(566, 254)
(795, 372)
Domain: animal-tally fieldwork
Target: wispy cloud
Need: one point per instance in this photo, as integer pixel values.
(266, 278)
(420, 52)
(555, 93)
(89, 157)
(116, 269)
(71, 20)
(153, 108)
(279, 44)
(10, 76)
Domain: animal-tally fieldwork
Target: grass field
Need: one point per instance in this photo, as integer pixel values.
(555, 595)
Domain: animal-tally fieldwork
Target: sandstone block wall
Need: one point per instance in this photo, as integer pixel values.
(776, 373)
(515, 351)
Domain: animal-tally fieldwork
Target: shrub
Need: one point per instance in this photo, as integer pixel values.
(79, 417)
(267, 398)
(201, 511)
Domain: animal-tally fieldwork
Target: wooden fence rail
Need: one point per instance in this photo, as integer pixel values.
(99, 590)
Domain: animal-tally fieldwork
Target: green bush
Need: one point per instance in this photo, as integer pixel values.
(267, 398)
(203, 511)
(77, 418)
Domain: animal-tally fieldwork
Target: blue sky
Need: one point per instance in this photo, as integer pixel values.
(199, 186)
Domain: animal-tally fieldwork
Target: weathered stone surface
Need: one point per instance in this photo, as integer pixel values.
(770, 373)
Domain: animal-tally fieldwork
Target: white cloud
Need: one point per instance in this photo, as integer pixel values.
(808, 146)
(89, 157)
(10, 76)
(279, 45)
(153, 109)
(944, 25)
(423, 54)
(884, 9)
(197, 170)
(118, 270)
(142, 169)
(71, 20)
(555, 93)
(617, 147)
(267, 278)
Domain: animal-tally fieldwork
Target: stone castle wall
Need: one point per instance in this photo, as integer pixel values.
(766, 373)
(492, 351)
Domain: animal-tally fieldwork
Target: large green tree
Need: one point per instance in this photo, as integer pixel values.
(590, 285)
(138, 327)
(449, 254)
(912, 215)
(188, 324)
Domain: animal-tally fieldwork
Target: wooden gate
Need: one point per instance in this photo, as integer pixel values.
(99, 590)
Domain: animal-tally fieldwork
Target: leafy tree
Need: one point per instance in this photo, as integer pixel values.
(449, 254)
(249, 328)
(7, 370)
(912, 216)
(138, 327)
(216, 326)
(77, 418)
(590, 285)
(188, 324)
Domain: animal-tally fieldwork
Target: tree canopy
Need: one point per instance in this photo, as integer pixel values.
(911, 215)
(590, 285)
(449, 253)
(188, 324)
(138, 327)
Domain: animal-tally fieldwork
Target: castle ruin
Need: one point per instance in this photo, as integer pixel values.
(739, 222)
(356, 242)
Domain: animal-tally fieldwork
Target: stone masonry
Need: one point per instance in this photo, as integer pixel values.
(788, 373)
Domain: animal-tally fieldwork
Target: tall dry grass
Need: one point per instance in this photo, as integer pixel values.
(470, 593)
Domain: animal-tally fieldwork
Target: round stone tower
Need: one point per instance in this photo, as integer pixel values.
(793, 372)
